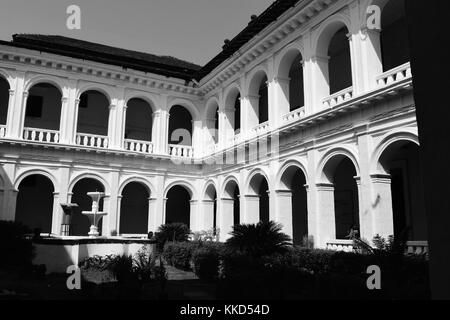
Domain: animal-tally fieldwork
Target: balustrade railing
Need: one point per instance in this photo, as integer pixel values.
(294, 115)
(91, 140)
(338, 98)
(394, 75)
(138, 146)
(176, 150)
(41, 135)
(340, 245)
(261, 128)
(2, 131)
(417, 247)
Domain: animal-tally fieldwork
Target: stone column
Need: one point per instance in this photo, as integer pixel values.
(371, 57)
(119, 212)
(122, 126)
(283, 199)
(207, 218)
(56, 215)
(22, 112)
(112, 141)
(251, 209)
(10, 115)
(152, 223)
(281, 104)
(64, 126)
(382, 205)
(225, 217)
(318, 68)
(160, 131)
(194, 216)
(74, 132)
(326, 219)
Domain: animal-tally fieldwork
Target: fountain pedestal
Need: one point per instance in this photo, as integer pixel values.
(95, 215)
(68, 209)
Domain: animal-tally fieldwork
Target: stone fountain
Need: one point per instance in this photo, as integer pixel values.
(94, 215)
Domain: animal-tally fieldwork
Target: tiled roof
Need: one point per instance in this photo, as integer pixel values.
(162, 65)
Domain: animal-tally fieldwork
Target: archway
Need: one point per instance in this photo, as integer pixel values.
(230, 209)
(134, 208)
(178, 207)
(138, 123)
(34, 206)
(293, 181)
(80, 223)
(341, 171)
(259, 191)
(93, 113)
(259, 99)
(4, 100)
(394, 35)
(340, 66)
(210, 209)
(43, 109)
(402, 162)
(290, 78)
(180, 126)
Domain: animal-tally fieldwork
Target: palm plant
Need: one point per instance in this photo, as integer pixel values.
(263, 238)
(175, 232)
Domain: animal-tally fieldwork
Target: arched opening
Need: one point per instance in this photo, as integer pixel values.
(230, 214)
(402, 162)
(291, 79)
(4, 100)
(43, 109)
(180, 126)
(233, 112)
(80, 223)
(134, 209)
(93, 113)
(259, 99)
(263, 105)
(260, 188)
(339, 65)
(341, 172)
(178, 206)
(34, 207)
(294, 180)
(394, 35)
(138, 124)
(237, 114)
(211, 208)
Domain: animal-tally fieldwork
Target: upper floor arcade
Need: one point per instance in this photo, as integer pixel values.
(319, 58)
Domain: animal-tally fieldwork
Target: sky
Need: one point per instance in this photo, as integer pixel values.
(192, 30)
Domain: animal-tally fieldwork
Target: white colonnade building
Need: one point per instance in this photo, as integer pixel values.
(306, 118)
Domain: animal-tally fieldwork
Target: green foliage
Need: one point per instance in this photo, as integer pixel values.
(17, 251)
(179, 254)
(206, 260)
(259, 239)
(171, 232)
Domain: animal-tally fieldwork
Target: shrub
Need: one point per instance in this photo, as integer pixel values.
(174, 232)
(206, 260)
(263, 238)
(144, 265)
(17, 251)
(179, 254)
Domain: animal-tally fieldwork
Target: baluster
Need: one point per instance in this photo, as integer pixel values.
(56, 137)
(399, 76)
(408, 72)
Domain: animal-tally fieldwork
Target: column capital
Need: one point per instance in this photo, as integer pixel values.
(12, 92)
(381, 178)
(25, 94)
(325, 186)
(283, 192)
